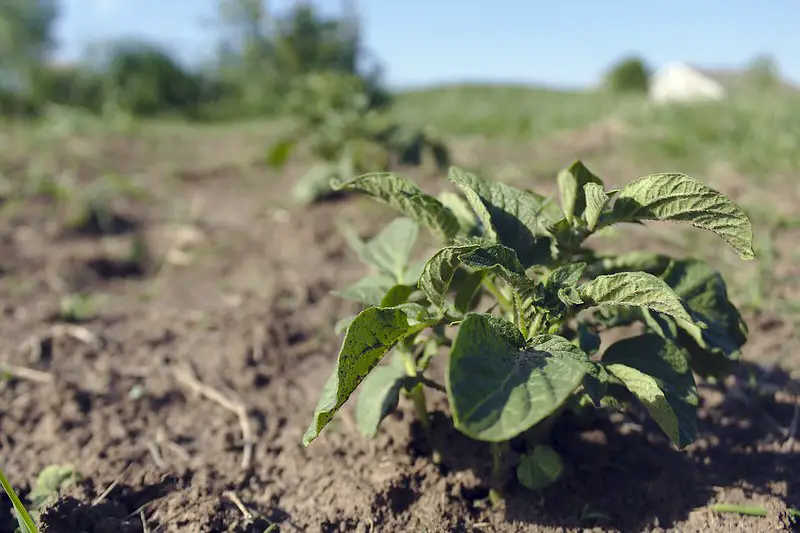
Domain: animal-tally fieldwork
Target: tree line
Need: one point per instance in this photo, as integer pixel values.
(258, 59)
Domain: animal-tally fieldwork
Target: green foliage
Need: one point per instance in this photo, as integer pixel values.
(512, 370)
(143, 79)
(50, 482)
(629, 75)
(26, 36)
(263, 53)
(342, 119)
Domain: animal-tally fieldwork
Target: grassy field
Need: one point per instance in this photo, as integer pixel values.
(150, 269)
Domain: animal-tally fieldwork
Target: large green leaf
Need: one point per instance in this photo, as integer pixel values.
(509, 215)
(571, 183)
(714, 348)
(369, 290)
(634, 289)
(499, 386)
(680, 198)
(704, 293)
(380, 394)
(390, 249)
(657, 372)
(369, 336)
(403, 195)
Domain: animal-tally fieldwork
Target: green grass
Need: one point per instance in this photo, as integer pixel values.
(26, 524)
(759, 136)
(755, 133)
(502, 111)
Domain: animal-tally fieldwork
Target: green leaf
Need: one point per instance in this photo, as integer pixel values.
(403, 195)
(493, 256)
(397, 295)
(51, 481)
(565, 276)
(498, 386)
(439, 270)
(680, 198)
(596, 201)
(634, 289)
(713, 349)
(351, 237)
(657, 372)
(414, 271)
(280, 152)
(705, 295)
(461, 209)
(570, 184)
(341, 325)
(649, 262)
(438, 273)
(468, 289)
(315, 184)
(390, 249)
(369, 336)
(369, 290)
(379, 396)
(587, 338)
(540, 468)
(509, 215)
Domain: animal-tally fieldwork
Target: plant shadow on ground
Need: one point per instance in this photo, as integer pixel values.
(622, 472)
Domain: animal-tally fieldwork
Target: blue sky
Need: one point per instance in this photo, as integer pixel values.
(530, 41)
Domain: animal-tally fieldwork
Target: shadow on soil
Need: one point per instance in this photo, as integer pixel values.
(627, 475)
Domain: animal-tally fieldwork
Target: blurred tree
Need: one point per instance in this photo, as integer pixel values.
(763, 74)
(263, 52)
(144, 79)
(25, 39)
(67, 85)
(629, 75)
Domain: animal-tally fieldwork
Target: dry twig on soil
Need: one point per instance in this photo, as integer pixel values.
(22, 372)
(235, 500)
(187, 378)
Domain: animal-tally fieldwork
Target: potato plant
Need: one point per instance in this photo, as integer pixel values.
(348, 130)
(528, 302)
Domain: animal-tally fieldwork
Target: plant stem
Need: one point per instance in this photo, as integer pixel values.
(496, 489)
(506, 305)
(417, 395)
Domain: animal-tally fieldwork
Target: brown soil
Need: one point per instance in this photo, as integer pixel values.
(251, 318)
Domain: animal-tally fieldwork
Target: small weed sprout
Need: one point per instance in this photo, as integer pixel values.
(348, 129)
(513, 370)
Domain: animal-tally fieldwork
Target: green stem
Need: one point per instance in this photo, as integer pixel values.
(750, 510)
(417, 395)
(496, 489)
(505, 304)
